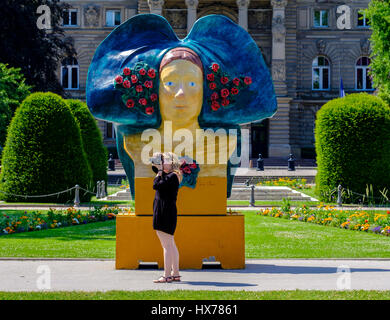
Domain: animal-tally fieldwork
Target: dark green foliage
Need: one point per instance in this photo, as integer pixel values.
(13, 90)
(36, 51)
(92, 140)
(43, 153)
(352, 139)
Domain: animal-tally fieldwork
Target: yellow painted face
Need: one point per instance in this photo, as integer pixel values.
(181, 91)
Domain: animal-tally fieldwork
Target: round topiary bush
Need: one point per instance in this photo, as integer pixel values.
(43, 153)
(92, 140)
(352, 140)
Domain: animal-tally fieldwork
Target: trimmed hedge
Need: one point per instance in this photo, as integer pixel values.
(352, 140)
(43, 153)
(92, 140)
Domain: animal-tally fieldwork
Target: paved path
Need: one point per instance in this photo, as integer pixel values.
(259, 275)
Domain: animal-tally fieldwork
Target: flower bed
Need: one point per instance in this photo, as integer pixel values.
(327, 215)
(293, 183)
(35, 220)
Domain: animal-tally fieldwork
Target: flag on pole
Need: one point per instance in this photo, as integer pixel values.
(342, 92)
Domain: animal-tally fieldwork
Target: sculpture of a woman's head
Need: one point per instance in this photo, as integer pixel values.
(181, 86)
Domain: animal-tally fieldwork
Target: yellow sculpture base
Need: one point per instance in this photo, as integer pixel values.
(196, 237)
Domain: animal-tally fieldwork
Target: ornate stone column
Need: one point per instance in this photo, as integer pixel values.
(192, 6)
(243, 13)
(156, 6)
(279, 129)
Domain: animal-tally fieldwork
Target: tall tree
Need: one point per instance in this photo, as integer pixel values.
(378, 13)
(35, 51)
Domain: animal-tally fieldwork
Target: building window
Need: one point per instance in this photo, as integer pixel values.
(113, 18)
(363, 80)
(362, 20)
(70, 17)
(321, 18)
(320, 74)
(70, 73)
(110, 131)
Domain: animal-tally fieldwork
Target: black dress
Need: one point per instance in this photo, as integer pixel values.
(164, 204)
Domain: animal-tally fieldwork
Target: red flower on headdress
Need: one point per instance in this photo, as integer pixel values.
(212, 85)
(153, 97)
(192, 165)
(234, 91)
(134, 78)
(149, 110)
(142, 101)
(224, 93)
(225, 102)
(130, 103)
(118, 79)
(248, 80)
(236, 82)
(210, 77)
(214, 96)
(224, 80)
(126, 84)
(142, 72)
(148, 84)
(139, 88)
(126, 71)
(186, 170)
(151, 73)
(215, 67)
(215, 105)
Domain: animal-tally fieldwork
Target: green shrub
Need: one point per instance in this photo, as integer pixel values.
(92, 140)
(13, 91)
(352, 139)
(43, 153)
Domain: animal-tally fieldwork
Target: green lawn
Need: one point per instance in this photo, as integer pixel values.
(265, 237)
(199, 295)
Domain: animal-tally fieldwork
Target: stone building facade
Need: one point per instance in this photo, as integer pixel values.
(308, 46)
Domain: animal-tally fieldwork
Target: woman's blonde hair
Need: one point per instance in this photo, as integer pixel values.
(174, 160)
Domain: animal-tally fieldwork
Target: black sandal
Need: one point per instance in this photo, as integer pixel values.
(163, 279)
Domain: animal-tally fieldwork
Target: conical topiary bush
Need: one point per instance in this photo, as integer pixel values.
(92, 140)
(43, 153)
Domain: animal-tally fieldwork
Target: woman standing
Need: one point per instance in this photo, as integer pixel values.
(166, 183)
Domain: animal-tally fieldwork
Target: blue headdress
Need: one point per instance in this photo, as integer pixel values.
(145, 39)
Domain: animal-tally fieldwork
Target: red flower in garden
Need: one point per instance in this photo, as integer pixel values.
(153, 97)
(139, 88)
(142, 101)
(149, 110)
(215, 105)
(210, 77)
(126, 84)
(236, 81)
(225, 102)
(130, 103)
(126, 71)
(142, 72)
(151, 73)
(214, 96)
(148, 84)
(234, 91)
(212, 85)
(215, 67)
(224, 93)
(119, 79)
(224, 80)
(134, 78)
(248, 80)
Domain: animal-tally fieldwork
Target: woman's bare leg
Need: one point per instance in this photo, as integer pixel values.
(175, 264)
(166, 243)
